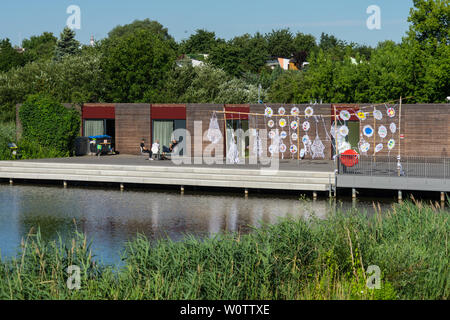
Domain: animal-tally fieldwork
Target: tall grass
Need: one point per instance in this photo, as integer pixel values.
(294, 259)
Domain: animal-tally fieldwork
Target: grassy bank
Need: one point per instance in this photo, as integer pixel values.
(314, 259)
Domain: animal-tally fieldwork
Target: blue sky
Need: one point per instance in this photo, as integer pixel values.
(346, 19)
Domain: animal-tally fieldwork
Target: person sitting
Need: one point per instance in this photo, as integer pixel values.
(144, 150)
(169, 149)
(155, 148)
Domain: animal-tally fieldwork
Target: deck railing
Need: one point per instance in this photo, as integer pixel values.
(408, 166)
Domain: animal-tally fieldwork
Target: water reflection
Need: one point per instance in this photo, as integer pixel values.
(109, 217)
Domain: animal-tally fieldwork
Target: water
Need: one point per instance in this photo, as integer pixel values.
(110, 218)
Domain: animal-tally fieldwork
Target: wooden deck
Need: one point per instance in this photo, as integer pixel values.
(304, 176)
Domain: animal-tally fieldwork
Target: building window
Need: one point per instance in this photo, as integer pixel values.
(162, 131)
(94, 127)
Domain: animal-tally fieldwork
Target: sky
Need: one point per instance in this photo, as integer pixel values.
(346, 19)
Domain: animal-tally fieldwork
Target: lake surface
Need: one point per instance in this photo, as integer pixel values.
(110, 217)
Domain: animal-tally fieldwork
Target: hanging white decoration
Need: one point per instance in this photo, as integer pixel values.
(333, 132)
(344, 146)
(294, 125)
(306, 126)
(345, 115)
(361, 115)
(294, 137)
(379, 147)
(271, 134)
(378, 115)
(268, 112)
(382, 132)
(257, 144)
(343, 131)
(293, 149)
(317, 148)
(283, 135)
(306, 140)
(393, 127)
(271, 123)
(391, 112)
(295, 111)
(368, 131)
(214, 134)
(363, 146)
(282, 122)
(391, 144)
(309, 112)
(302, 153)
(283, 148)
(233, 152)
(281, 111)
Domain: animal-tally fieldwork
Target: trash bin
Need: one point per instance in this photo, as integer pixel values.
(82, 146)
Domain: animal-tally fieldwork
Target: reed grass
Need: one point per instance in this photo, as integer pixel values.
(294, 259)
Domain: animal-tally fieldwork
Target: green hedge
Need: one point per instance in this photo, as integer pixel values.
(49, 124)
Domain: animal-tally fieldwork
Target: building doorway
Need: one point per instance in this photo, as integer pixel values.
(239, 127)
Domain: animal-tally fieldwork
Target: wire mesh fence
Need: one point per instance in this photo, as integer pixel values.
(411, 166)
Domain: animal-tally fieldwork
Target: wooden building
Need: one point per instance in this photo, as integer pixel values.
(421, 129)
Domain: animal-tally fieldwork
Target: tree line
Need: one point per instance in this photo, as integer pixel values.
(142, 62)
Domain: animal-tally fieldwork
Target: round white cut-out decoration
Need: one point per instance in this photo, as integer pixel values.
(393, 127)
(294, 125)
(379, 147)
(306, 126)
(378, 115)
(345, 115)
(382, 132)
(343, 131)
(368, 131)
(309, 112)
(391, 144)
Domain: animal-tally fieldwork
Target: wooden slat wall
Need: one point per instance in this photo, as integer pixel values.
(202, 112)
(132, 124)
(427, 130)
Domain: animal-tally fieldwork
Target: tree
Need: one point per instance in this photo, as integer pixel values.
(304, 42)
(67, 44)
(281, 43)
(202, 41)
(151, 26)
(228, 57)
(136, 66)
(75, 79)
(9, 57)
(430, 22)
(40, 47)
(205, 85)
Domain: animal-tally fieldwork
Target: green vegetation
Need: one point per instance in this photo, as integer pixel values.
(295, 259)
(46, 123)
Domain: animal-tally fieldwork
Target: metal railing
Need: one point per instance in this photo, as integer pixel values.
(410, 166)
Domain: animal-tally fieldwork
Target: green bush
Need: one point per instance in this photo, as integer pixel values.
(7, 134)
(48, 124)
